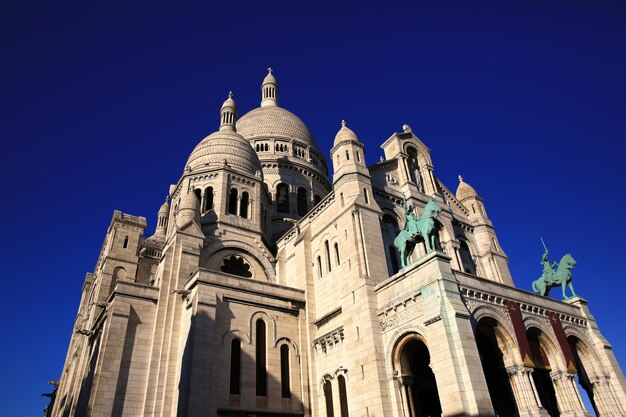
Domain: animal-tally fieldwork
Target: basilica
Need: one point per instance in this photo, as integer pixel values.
(270, 289)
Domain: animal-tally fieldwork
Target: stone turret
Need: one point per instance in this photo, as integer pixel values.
(162, 219)
(492, 257)
(269, 90)
(347, 154)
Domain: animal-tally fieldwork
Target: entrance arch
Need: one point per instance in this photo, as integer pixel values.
(540, 346)
(411, 363)
(495, 352)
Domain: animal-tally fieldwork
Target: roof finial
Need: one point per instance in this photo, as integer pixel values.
(228, 113)
(269, 90)
(343, 123)
(460, 178)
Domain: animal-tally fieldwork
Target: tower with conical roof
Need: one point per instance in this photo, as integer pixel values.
(487, 248)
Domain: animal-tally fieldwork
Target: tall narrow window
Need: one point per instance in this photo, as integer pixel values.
(261, 370)
(337, 253)
(282, 198)
(243, 205)
(235, 367)
(198, 194)
(302, 201)
(328, 396)
(232, 201)
(319, 267)
(367, 198)
(208, 198)
(393, 258)
(466, 258)
(284, 371)
(343, 398)
(328, 261)
(125, 242)
(347, 156)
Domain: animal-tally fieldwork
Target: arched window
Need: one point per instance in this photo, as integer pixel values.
(328, 262)
(267, 147)
(319, 267)
(317, 198)
(235, 367)
(343, 397)
(243, 204)
(466, 258)
(198, 194)
(282, 198)
(337, 259)
(208, 198)
(328, 396)
(341, 198)
(236, 265)
(302, 201)
(413, 166)
(119, 274)
(261, 370)
(125, 242)
(232, 201)
(284, 371)
(389, 232)
(393, 258)
(347, 156)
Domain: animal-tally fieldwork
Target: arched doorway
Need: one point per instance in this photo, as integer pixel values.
(584, 369)
(490, 344)
(417, 380)
(541, 373)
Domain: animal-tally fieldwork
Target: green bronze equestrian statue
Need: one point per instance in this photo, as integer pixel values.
(555, 274)
(413, 228)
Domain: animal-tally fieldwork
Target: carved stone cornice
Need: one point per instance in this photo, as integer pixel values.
(329, 340)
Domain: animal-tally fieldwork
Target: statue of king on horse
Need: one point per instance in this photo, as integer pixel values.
(416, 227)
(555, 274)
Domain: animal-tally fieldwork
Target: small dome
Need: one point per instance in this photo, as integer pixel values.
(188, 210)
(344, 133)
(224, 147)
(464, 190)
(269, 78)
(229, 102)
(165, 207)
(189, 202)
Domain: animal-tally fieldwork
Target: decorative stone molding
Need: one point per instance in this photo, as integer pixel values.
(329, 340)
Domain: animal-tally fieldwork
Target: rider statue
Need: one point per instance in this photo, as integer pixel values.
(409, 216)
(555, 274)
(548, 267)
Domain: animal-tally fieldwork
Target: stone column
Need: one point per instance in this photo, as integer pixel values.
(569, 401)
(604, 399)
(405, 382)
(203, 198)
(526, 397)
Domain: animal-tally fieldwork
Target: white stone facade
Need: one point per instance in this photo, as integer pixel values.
(269, 290)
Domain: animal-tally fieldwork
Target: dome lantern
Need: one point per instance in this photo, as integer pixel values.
(269, 90)
(228, 114)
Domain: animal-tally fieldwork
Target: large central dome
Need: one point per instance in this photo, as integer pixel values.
(274, 122)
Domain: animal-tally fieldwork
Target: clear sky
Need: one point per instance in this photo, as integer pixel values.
(101, 104)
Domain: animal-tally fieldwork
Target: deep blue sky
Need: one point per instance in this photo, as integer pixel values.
(100, 106)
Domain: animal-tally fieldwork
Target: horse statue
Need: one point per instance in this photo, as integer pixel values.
(414, 227)
(552, 277)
